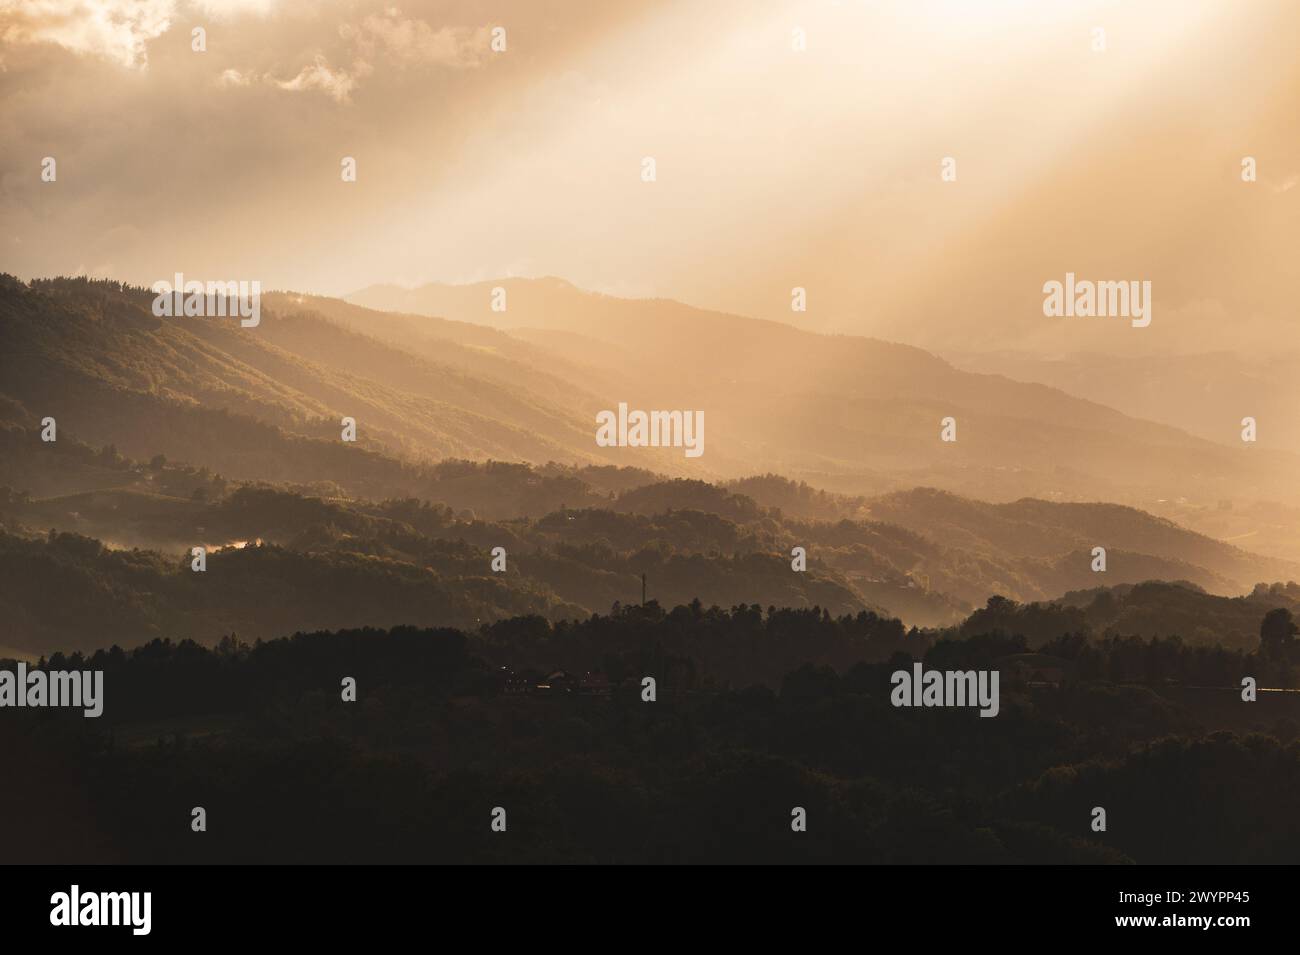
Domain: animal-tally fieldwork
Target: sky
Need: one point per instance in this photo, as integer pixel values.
(796, 144)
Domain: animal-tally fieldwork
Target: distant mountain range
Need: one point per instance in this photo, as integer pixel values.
(179, 432)
(856, 414)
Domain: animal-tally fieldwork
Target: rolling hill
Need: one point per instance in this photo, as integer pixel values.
(179, 432)
(855, 414)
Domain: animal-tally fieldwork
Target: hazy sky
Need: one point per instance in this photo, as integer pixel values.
(775, 167)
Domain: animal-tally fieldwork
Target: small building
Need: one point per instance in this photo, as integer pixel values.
(556, 683)
(595, 684)
(515, 683)
(1036, 670)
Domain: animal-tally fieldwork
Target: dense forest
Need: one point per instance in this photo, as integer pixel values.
(756, 712)
(576, 540)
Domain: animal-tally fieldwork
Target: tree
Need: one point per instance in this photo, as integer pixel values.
(1277, 633)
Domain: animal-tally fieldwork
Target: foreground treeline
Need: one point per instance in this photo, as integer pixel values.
(688, 649)
(756, 713)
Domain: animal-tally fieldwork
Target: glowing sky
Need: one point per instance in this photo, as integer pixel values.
(776, 167)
